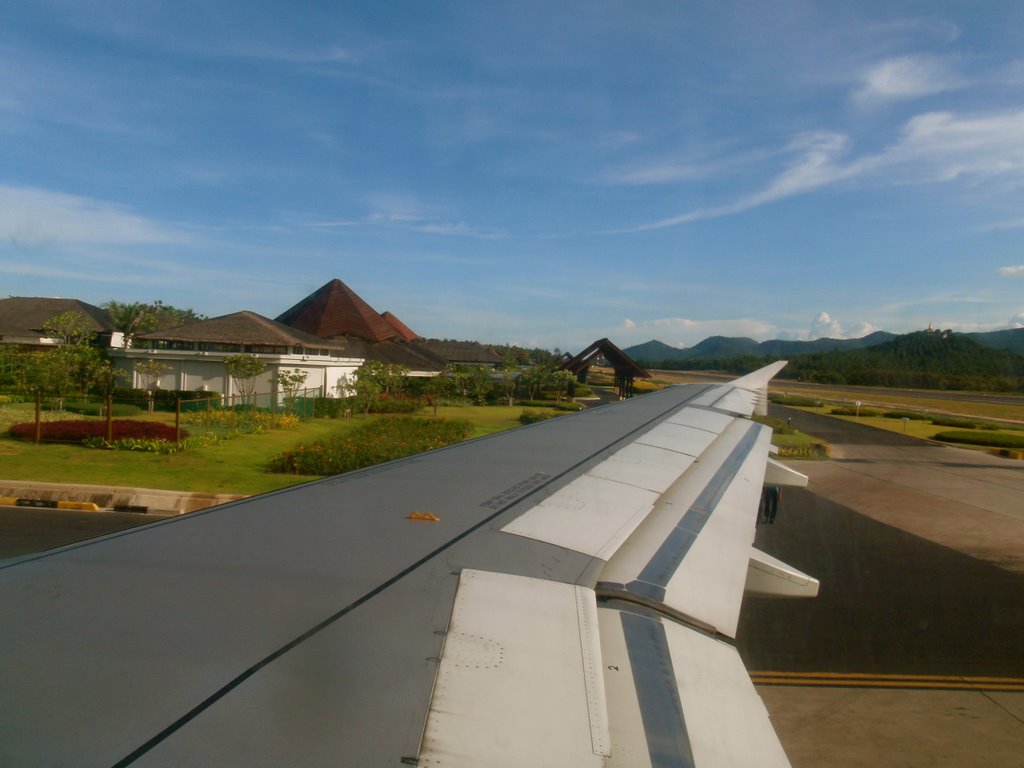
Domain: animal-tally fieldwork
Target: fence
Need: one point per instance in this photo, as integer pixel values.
(199, 413)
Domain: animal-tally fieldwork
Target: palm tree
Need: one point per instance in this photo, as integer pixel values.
(129, 319)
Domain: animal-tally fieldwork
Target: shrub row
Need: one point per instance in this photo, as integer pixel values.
(912, 415)
(77, 431)
(795, 400)
(982, 438)
(98, 408)
(844, 410)
(379, 441)
(531, 416)
(962, 423)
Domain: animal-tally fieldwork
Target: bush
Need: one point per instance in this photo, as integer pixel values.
(794, 400)
(77, 431)
(844, 410)
(99, 409)
(386, 404)
(954, 423)
(912, 415)
(982, 438)
(151, 446)
(379, 441)
(530, 416)
(779, 426)
(568, 405)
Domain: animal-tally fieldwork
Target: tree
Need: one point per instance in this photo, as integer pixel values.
(130, 319)
(150, 372)
(367, 389)
(167, 316)
(290, 382)
(244, 369)
(389, 377)
(70, 328)
(563, 381)
(436, 388)
(536, 378)
(509, 378)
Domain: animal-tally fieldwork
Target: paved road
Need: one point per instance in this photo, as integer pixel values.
(24, 530)
(887, 526)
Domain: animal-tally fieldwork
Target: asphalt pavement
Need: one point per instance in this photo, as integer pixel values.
(913, 652)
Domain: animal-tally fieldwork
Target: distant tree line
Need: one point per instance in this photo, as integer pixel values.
(922, 360)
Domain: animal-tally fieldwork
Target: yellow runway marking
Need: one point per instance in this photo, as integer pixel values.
(864, 680)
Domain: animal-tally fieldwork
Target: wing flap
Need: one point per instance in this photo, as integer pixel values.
(691, 553)
(520, 679)
(680, 697)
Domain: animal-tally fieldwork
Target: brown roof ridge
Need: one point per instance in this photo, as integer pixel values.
(403, 330)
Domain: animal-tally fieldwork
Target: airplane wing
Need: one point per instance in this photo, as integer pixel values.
(572, 604)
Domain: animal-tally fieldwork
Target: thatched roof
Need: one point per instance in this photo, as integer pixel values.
(414, 355)
(26, 316)
(334, 309)
(240, 328)
(472, 352)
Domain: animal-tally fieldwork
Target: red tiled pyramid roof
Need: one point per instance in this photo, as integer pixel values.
(334, 309)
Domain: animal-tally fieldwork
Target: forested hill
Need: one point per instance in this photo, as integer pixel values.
(925, 359)
(653, 353)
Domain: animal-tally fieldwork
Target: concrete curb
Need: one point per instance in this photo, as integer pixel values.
(108, 497)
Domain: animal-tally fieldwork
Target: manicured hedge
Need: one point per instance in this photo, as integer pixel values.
(98, 409)
(795, 400)
(77, 431)
(982, 438)
(379, 441)
(530, 416)
(844, 410)
(912, 415)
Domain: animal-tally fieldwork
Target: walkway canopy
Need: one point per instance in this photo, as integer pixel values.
(627, 371)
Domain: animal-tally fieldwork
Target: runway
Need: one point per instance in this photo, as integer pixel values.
(911, 655)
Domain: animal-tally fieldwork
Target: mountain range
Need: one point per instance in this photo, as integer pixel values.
(653, 353)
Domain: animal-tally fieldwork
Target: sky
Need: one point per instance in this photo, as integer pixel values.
(535, 173)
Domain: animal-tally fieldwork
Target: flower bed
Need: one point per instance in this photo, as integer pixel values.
(77, 431)
(379, 441)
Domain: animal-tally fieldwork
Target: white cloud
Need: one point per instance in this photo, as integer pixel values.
(932, 147)
(824, 327)
(1017, 271)
(907, 77)
(34, 217)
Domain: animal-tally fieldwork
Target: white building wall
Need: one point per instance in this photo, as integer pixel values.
(206, 371)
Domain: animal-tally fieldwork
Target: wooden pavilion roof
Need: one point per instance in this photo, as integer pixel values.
(616, 358)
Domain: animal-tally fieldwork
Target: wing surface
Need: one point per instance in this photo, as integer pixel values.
(572, 605)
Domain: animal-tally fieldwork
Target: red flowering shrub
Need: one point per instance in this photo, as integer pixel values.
(379, 441)
(77, 431)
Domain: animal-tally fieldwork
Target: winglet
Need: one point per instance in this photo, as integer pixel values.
(746, 395)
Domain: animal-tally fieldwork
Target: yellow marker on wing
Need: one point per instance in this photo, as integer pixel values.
(430, 517)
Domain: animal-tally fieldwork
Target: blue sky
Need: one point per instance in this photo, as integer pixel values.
(540, 173)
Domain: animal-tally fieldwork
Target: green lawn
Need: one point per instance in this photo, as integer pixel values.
(231, 466)
(921, 428)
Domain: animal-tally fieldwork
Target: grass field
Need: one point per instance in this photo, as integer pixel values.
(231, 466)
